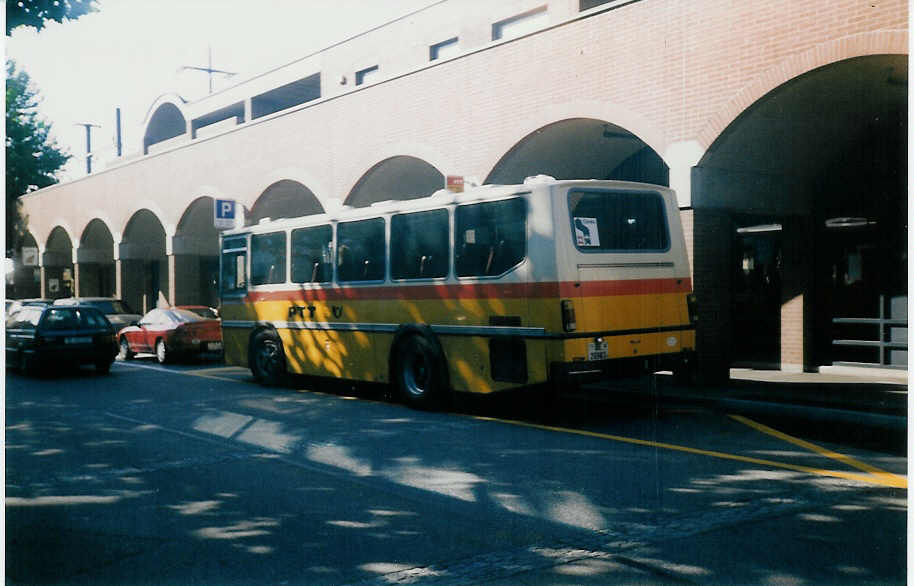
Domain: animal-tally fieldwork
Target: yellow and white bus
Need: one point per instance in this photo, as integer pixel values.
(497, 287)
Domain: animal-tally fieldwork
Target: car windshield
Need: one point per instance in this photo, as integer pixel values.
(183, 315)
(73, 318)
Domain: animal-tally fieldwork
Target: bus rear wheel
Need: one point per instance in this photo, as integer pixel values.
(419, 374)
(268, 362)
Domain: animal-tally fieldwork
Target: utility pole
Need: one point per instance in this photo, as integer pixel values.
(209, 69)
(89, 128)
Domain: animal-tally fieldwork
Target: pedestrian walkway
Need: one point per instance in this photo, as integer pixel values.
(871, 398)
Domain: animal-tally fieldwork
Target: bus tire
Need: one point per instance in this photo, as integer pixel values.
(267, 359)
(419, 372)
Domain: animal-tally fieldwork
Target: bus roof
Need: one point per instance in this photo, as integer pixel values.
(439, 198)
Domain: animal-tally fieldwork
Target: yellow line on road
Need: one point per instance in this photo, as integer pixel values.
(889, 478)
(891, 481)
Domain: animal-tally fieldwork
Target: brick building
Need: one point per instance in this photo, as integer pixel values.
(782, 126)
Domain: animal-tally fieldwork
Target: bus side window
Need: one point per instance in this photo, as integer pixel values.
(234, 266)
(360, 250)
(419, 245)
(268, 258)
(490, 238)
(311, 248)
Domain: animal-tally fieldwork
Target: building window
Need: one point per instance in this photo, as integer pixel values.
(443, 50)
(366, 75)
(588, 4)
(520, 24)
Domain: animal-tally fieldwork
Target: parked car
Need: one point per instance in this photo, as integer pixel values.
(201, 310)
(117, 311)
(169, 333)
(37, 337)
(14, 305)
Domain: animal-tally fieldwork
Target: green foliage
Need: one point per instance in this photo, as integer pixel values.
(36, 13)
(32, 156)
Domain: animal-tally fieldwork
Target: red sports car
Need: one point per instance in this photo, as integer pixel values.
(169, 333)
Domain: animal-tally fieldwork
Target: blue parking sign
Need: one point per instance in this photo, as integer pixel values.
(224, 213)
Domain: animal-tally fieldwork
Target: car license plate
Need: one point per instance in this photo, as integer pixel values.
(77, 340)
(597, 350)
(214, 346)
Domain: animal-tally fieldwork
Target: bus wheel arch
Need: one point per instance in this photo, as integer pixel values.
(266, 356)
(418, 367)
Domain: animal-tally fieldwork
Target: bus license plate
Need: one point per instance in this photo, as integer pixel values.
(214, 346)
(597, 350)
(77, 340)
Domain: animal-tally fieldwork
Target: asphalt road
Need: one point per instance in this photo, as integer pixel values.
(193, 474)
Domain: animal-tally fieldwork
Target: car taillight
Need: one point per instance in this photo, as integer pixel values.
(569, 324)
(692, 301)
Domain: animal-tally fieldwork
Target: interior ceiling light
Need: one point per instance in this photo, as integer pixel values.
(759, 228)
(848, 222)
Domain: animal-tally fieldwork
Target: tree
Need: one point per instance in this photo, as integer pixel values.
(32, 155)
(36, 13)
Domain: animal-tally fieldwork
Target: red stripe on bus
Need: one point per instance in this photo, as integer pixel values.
(480, 291)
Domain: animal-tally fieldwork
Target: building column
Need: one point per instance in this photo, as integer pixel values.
(796, 276)
(712, 242)
(43, 291)
(75, 273)
(172, 281)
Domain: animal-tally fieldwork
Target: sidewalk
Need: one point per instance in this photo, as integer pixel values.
(862, 397)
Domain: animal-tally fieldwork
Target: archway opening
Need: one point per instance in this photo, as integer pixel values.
(397, 178)
(27, 279)
(805, 196)
(196, 250)
(95, 258)
(581, 148)
(144, 264)
(284, 199)
(165, 123)
(58, 265)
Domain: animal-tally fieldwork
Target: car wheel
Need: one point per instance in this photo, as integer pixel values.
(268, 362)
(162, 354)
(419, 373)
(125, 352)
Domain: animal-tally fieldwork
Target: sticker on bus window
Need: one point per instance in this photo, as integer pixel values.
(585, 232)
(469, 236)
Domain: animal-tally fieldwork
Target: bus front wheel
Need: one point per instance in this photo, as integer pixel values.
(419, 373)
(268, 363)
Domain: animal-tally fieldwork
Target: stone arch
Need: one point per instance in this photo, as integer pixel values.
(800, 208)
(144, 262)
(285, 198)
(196, 255)
(95, 261)
(166, 120)
(396, 178)
(891, 42)
(612, 113)
(57, 261)
(581, 148)
(27, 280)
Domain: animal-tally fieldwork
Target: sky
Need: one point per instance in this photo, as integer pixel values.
(131, 52)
